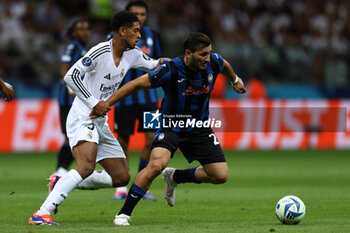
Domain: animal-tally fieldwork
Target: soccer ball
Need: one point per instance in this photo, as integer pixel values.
(290, 210)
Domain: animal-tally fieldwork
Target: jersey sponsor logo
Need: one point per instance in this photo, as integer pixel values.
(108, 76)
(196, 90)
(86, 61)
(108, 90)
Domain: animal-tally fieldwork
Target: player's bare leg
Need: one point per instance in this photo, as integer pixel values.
(118, 169)
(85, 154)
(215, 173)
(159, 160)
(121, 192)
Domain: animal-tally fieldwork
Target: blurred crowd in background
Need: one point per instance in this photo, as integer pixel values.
(300, 43)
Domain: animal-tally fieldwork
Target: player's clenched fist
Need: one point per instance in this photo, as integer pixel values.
(100, 110)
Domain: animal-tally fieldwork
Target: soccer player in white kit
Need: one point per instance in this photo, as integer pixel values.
(91, 140)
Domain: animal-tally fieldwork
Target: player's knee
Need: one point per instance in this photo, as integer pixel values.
(220, 178)
(85, 169)
(156, 168)
(121, 179)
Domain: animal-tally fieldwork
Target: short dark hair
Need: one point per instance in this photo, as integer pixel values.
(136, 3)
(196, 40)
(123, 19)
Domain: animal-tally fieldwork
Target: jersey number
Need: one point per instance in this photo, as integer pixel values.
(216, 142)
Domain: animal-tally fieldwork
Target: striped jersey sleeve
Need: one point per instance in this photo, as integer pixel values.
(217, 61)
(82, 66)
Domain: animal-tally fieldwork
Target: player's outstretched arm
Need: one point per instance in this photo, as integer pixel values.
(141, 83)
(236, 82)
(7, 90)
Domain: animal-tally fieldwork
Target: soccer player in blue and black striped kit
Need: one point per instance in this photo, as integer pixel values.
(78, 33)
(139, 102)
(187, 82)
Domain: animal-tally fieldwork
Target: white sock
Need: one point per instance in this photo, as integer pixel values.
(122, 189)
(60, 171)
(63, 186)
(98, 179)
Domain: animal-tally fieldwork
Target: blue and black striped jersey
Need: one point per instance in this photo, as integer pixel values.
(186, 92)
(73, 51)
(149, 45)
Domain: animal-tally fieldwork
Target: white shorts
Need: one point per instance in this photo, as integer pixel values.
(96, 130)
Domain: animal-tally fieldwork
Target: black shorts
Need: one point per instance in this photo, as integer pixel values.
(64, 110)
(125, 118)
(201, 145)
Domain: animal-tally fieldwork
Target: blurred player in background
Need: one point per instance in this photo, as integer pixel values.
(91, 140)
(78, 33)
(187, 82)
(7, 90)
(143, 100)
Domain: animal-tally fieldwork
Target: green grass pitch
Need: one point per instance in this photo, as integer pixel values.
(246, 203)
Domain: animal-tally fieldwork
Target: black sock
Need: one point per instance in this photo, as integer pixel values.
(134, 196)
(64, 157)
(185, 176)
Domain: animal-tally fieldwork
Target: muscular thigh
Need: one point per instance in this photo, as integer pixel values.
(85, 152)
(115, 167)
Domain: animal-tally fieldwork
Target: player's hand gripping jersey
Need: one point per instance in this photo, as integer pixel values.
(102, 77)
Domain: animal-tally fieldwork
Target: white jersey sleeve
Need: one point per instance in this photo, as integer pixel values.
(141, 61)
(73, 79)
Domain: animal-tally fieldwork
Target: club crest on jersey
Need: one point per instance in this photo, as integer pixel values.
(90, 135)
(86, 61)
(161, 136)
(122, 73)
(210, 77)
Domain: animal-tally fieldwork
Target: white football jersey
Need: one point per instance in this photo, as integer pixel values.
(102, 77)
